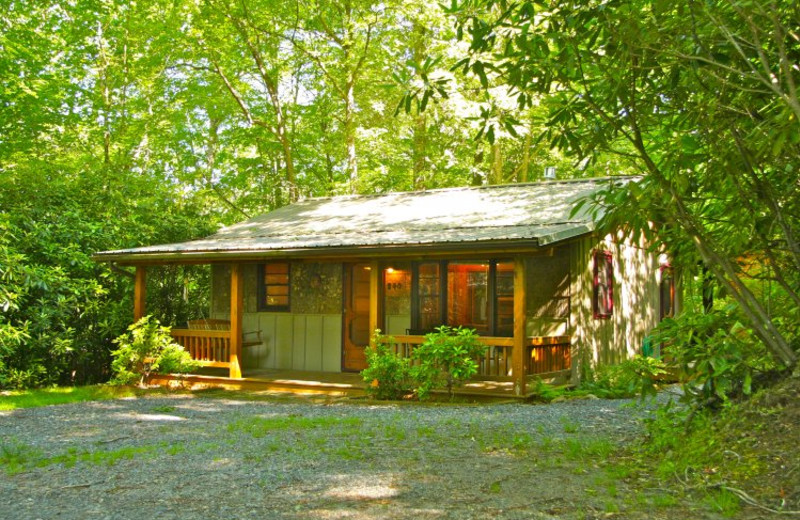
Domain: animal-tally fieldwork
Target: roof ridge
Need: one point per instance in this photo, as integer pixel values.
(482, 187)
(386, 230)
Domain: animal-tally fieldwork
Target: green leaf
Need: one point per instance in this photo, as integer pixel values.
(478, 68)
(424, 102)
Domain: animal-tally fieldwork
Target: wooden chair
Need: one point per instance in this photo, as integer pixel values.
(214, 324)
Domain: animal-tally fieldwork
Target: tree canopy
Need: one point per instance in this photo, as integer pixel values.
(130, 123)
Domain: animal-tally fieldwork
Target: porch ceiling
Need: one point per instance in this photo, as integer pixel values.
(536, 215)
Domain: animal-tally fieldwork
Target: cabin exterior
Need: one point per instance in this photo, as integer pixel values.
(302, 288)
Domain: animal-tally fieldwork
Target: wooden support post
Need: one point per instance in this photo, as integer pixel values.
(139, 291)
(374, 297)
(519, 351)
(237, 308)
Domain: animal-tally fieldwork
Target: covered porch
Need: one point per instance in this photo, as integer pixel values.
(507, 367)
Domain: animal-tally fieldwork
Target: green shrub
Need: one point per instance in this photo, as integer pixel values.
(59, 309)
(717, 356)
(447, 358)
(541, 391)
(387, 375)
(635, 376)
(146, 348)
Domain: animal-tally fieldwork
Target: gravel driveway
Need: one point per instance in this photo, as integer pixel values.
(189, 457)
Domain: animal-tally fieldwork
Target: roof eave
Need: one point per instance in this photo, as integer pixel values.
(198, 257)
(374, 251)
(566, 234)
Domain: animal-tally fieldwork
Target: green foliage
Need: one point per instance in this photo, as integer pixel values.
(60, 309)
(717, 354)
(632, 377)
(541, 391)
(587, 449)
(743, 445)
(146, 348)
(707, 111)
(15, 455)
(387, 375)
(62, 395)
(638, 376)
(43, 308)
(724, 501)
(446, 358)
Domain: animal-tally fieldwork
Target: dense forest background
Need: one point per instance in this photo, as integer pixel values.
(129, 123)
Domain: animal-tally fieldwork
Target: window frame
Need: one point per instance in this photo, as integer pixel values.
(415, 296)
(262, 288)
(608, 259)
(443, 292)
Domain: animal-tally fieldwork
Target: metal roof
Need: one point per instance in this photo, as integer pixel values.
(535, 213)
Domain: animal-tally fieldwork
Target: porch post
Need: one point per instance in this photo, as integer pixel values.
(139, 287)
(518, 353)
(237, 305)
(374, 292)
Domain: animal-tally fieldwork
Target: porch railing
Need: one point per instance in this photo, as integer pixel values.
(546, 354)
(212, 348)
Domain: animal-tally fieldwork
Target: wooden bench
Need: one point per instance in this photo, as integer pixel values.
(249, 339)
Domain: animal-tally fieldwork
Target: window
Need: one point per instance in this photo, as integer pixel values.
(468, 295)
(504, 299)
(274, 286)
(429, 297)
(474, 294)
(666, 293)
(603, 298)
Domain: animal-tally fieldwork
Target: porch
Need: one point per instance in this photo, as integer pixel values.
(509, 362)
(545, 357)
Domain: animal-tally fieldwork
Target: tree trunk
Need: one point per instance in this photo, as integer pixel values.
(286, 148)
(526, 157)
(419, 137)
(350, 136)
(497, 163)
(103, 58)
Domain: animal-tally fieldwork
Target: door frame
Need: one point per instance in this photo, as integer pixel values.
(347, 308)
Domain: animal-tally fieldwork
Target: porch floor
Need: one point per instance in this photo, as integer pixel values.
(339, 384)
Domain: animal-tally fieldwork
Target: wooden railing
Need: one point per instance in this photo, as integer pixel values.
(545, 354)
(548, 354)
(212, 348)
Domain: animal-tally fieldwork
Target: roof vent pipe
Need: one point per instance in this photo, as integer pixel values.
(550, 173)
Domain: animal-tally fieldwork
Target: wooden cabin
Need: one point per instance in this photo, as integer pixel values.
(303, 287)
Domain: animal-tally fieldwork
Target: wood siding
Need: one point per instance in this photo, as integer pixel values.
(598, 341)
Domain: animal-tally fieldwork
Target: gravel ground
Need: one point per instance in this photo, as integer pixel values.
(189, 457)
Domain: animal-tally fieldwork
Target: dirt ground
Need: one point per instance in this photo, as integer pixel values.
(185, 456)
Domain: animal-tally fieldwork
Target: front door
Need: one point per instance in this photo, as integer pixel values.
(356, 317)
